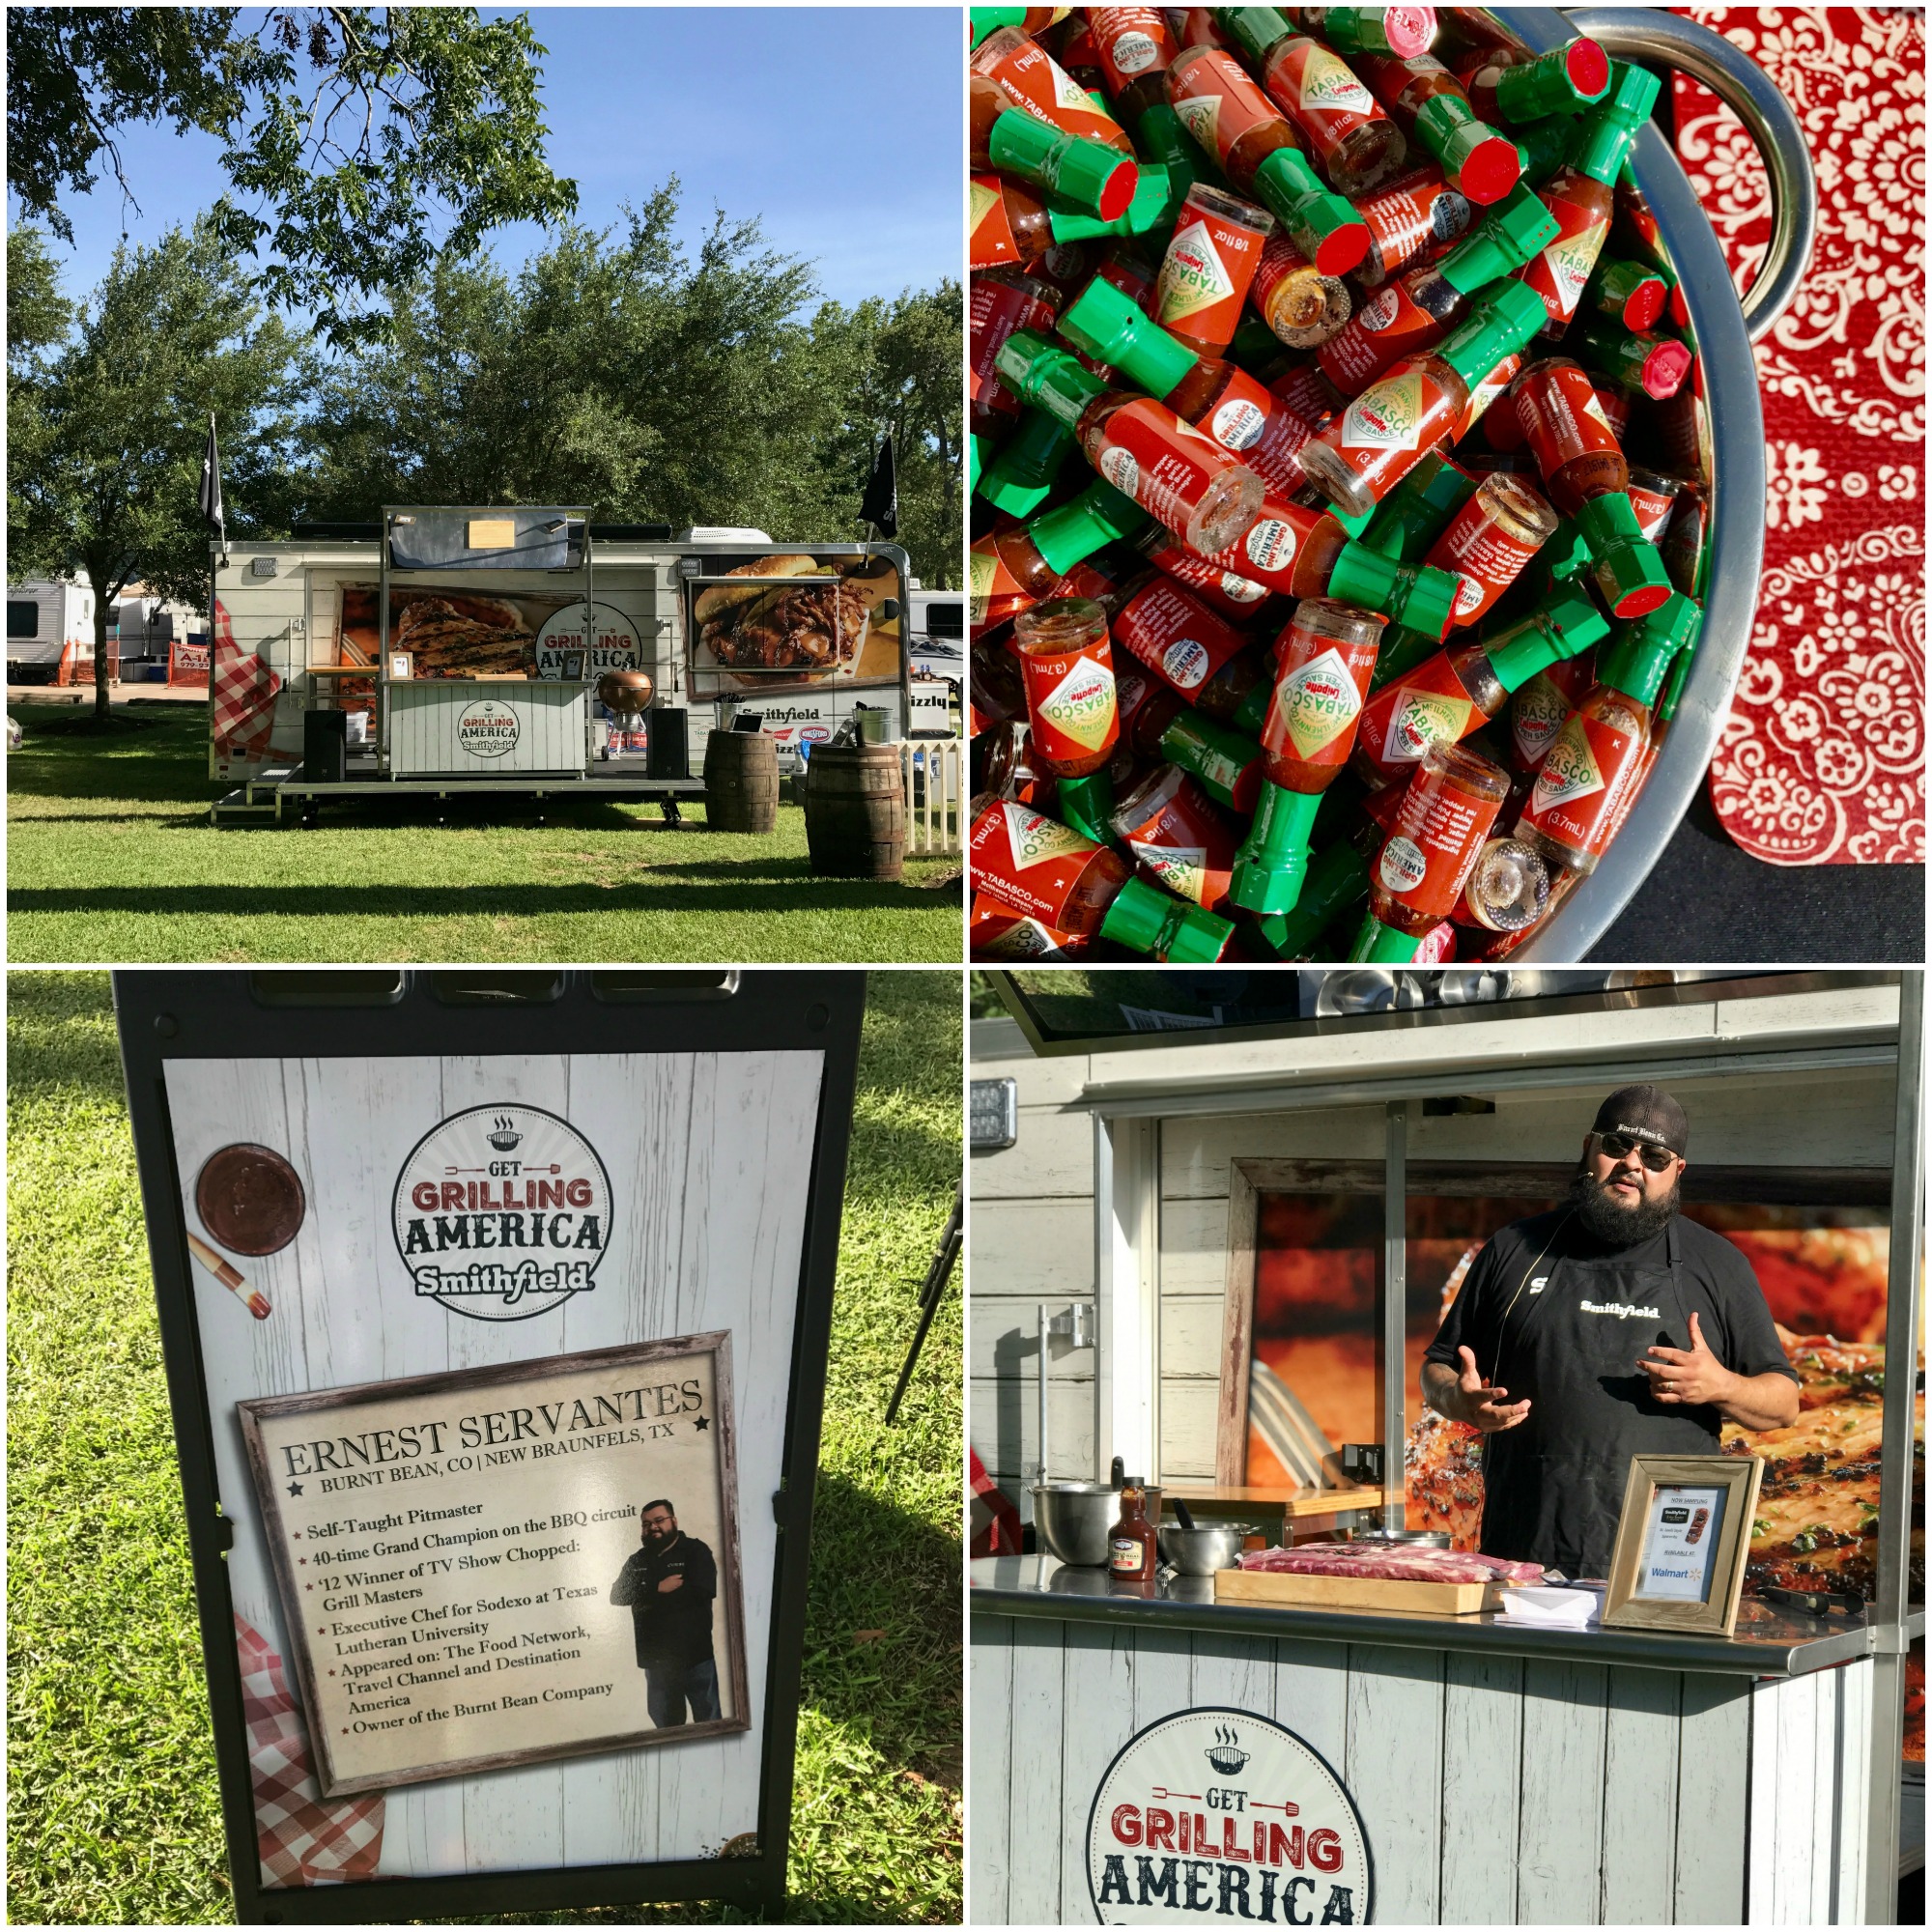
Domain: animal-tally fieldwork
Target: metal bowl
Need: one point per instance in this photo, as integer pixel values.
(1073, 1518)
(1427, 1539)
(1725, 333)
(1203, 1549)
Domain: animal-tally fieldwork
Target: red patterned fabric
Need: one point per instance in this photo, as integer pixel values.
(996, 1522)
(1823, 760)
(302, 1838)
(244, 695)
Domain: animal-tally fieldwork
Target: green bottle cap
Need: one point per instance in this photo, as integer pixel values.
(1675, 679)
(1324, 227)
(1020, 477)
(1603, 142)
(1637, 662)
(1224, 762)
(1655, 364)
(1384, 944)
(974, 453)
(1403, 649)
(1163, 143)
(1428, 602)
(1077, 528)
(1542, 145)
(1113, 328)
(1087, 175)
(1507, 322)
(1566, 554)
(1631, 292)
(1561, 627)
(1563, 80)
(1049, 378)
(1273, 859)
(1401, 31)
(990, 19)
(1145, 212)
(1629, 573)
(1477, 161)
(1252, 29)
(1147, 920)
(1515, 231)
(1088, 805)
(1336, 878)
(1414, 513)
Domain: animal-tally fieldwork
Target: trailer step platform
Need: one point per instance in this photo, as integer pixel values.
(282, 794)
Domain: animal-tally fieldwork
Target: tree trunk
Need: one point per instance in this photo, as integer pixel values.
(102, 667)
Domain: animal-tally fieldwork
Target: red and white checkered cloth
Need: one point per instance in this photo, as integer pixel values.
(244, 695)
(302, 1838)
(996, 1522)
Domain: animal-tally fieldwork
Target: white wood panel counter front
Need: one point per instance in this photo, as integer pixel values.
(1503, 1775)
(453, 726)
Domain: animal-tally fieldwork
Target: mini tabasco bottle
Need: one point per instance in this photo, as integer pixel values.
(1416, 312)
(1322, 662)
(1598, 753)
(1366, 450)
(1538, 709)
(1013, 568)
(1211, 262)
(1508, 890)
(1582, 193)
(1358, 146)
(1509, 85)
(1459, 690)
(1631, 292)
(1036, 866)
(1172, 827)
(1031, 79)
(1301, 305)
(1072, 708)
(1131, 1550)
(1427, 102)
(1416, 211)
(1488, 542)
(1410, 519)
(1089, 176)
(1440, 828)
(1010, 224)
(1172, 469)
(999, 301)
(1135, 48)
(1235, 122)
(1401, 31)
(1661, 713)
(1637, 358)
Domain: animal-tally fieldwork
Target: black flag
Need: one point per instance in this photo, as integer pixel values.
(210, 484)
(881, 506)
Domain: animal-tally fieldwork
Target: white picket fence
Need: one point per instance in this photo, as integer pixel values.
(935, 792)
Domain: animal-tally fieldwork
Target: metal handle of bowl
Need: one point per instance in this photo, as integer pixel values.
(1668, 40)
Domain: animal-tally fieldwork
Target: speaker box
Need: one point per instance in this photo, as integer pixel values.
(325, 747)
(668, 743)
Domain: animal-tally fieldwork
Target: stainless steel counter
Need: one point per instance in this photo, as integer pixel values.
(1770, 1643)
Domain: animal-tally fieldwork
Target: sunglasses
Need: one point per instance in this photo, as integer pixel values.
(1657, 1159)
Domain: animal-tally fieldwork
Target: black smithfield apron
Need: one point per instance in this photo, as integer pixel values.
(1554, 1484)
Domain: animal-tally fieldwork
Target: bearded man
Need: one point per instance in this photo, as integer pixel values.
(1605, 1328)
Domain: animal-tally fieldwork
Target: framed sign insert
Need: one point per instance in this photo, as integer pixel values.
(1683, 1541)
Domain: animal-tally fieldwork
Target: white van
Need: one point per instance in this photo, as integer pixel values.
(42, 619)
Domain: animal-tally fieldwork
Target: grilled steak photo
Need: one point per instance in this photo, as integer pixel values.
(448, 643)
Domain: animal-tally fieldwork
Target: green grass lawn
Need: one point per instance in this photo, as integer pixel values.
(113, 1812)
(110, 856)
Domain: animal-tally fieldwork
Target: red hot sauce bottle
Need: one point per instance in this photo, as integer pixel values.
(1440, 828)
(1416, 211)
(1088, 175)
(1211, 262)
(1072, 708)
(1173, 828)
(1427, 102)
(1131, 1556)
(1401, 31)
(1032, 80)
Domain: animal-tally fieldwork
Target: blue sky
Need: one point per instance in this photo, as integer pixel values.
(840, 127)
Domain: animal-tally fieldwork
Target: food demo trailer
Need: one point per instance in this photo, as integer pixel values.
(1234, 1206)
(452, 650)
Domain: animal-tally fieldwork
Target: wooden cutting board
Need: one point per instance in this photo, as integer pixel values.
(1290, 1590)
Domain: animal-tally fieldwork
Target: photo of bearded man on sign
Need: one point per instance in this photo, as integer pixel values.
(1605, 1328)
(669, 1585)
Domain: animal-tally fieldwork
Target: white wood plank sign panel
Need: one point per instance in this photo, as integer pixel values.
(707, 1160)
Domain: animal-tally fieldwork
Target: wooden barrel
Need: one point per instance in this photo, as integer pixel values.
(741, 781)
(855, 812)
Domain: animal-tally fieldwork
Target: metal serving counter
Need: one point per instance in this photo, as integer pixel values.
(1501, 1773)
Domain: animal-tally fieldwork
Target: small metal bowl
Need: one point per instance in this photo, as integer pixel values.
(1073, 1519)
(1427, 1539)
(1205, 1548)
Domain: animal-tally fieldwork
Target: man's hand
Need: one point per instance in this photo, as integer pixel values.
(671, 1584)
(1482, 1404)
(1688, 1376)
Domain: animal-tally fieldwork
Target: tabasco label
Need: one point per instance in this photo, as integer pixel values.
(1558, 274)
(997, 932)
(995, 594)
(1029, 862)
(1391, 416)
(1540, 706)
(986, 223)
(1314, 706)
(1071, 698)
(1216, 100)
(1179, 640)
(1147, 453)
(1580, 782)
(1251, 423)
(1194, 278)
(1214, 1812)
(1429, 707)
(1180, 837)
(1384, 329)
(1408, 214)
(1033, 79)
(1328, 85)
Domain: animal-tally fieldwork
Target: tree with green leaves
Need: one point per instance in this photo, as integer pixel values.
(117, 402)
(361, 141)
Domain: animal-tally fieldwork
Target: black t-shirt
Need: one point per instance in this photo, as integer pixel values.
(1552, 1314)
(671, 1627)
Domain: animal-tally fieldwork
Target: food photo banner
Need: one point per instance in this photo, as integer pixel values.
(497, 1361)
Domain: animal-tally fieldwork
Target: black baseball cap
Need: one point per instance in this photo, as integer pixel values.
(1646, 1114)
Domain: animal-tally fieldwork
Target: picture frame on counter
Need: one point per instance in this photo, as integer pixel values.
(571, 669)
(402, 664)
(1683, 1541)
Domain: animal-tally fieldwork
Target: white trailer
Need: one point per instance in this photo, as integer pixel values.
(43, 620)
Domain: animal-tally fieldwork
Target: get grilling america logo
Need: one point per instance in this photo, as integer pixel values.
(503, 1212)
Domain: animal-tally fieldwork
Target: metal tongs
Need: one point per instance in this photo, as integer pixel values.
(1814, 1602)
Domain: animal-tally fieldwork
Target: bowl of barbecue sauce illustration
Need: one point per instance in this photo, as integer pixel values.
(249, 1199)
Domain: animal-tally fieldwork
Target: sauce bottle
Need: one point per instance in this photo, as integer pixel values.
(1131, 1556)
(1021, 475)
(1401, 31)
(1427, 102)
(1654, 498)
(1459, 690)
(1008, 222)
(1032, 80)
(1089, 176)
(1011, 569)
(1508, 889)
(1580, 786)
(1639, 359)
(1419, 874)
(1416, 312)
(1301, 306)
(1237, 598)
(1661, 713)
(1510, 85)
(1631, 292)
(1358, 146)
(1540, 707)
(1035, 866)
(994, 931)
(1261, 154)
(1410, 519)
(1170, 468)
(1322, 662)
(1169, 825)
(1361, 455)
(1488, 542)
(1135, 48)
(1072, 709)
(1000, 301)
(1686, 546)
(1416, 211)
(1210, 260)
(1581, 194)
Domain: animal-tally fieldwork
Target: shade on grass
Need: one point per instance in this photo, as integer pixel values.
(113, 1812)
(110, 856)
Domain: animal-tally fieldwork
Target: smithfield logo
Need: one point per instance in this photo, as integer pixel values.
(488, 728)
(503, 1212)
